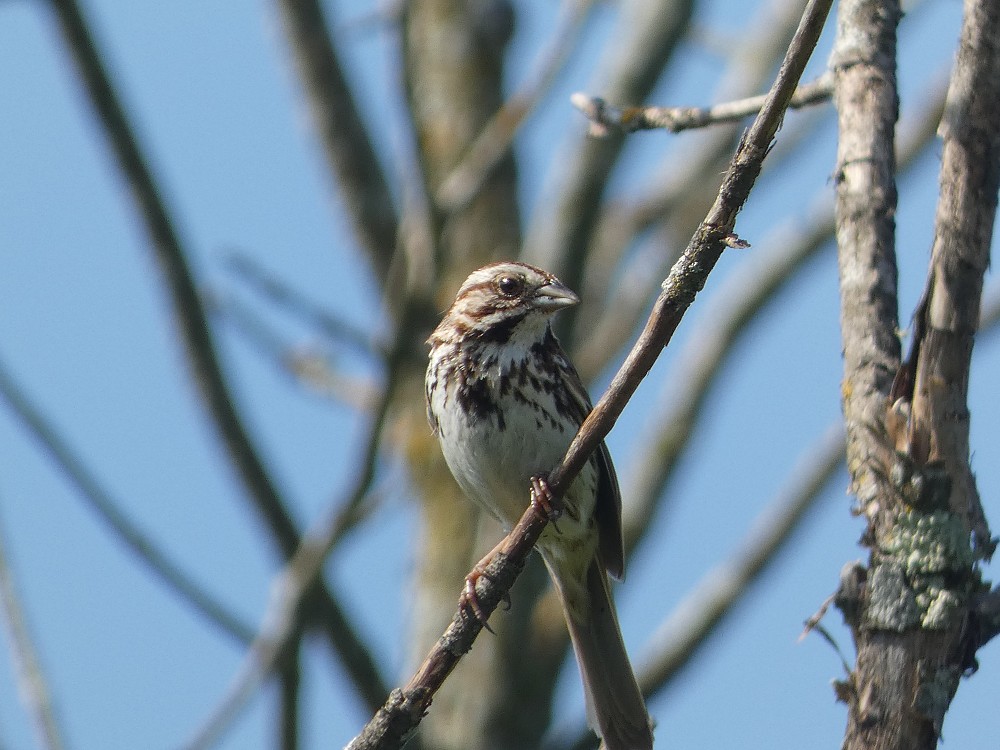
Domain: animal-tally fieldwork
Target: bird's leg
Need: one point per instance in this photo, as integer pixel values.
(469, 598)
(544, 502)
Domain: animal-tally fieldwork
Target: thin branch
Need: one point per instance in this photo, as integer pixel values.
(397, 719)
(110, 512)
(689, 274)
(864, 63)
(32, 682)
(202, 357)
(606, 119)
(495, 140)
(346, 142)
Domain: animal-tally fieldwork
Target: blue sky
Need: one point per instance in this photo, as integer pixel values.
(86, 329)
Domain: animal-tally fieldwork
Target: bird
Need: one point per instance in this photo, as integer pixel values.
(505, 401)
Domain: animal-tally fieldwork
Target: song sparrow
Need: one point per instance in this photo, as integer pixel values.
(505, 402)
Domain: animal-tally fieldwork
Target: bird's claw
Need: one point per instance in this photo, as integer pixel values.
(469, 598)
(544, 502)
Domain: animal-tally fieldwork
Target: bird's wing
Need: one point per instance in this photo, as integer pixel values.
(608, 507)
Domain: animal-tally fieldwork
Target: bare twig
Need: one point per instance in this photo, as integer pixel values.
(109, 511)
(865, 53)
(400, 715)
(202, 357)
(492, 144)
(606, 119)
(32, 682)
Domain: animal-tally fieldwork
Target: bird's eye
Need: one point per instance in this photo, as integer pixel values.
(510, 286)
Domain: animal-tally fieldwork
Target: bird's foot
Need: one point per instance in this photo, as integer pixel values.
(546, 504)
(469, 598)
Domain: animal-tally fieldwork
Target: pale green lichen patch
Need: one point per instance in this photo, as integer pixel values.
(927, 552)
(891, 603)
(940, 607)
(929, 543)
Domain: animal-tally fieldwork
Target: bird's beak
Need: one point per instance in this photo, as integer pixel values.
(554, 296)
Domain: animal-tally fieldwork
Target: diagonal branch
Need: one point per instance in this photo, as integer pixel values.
(689, 274)
(397, 719)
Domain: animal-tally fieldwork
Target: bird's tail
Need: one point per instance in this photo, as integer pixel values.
(615, 706)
